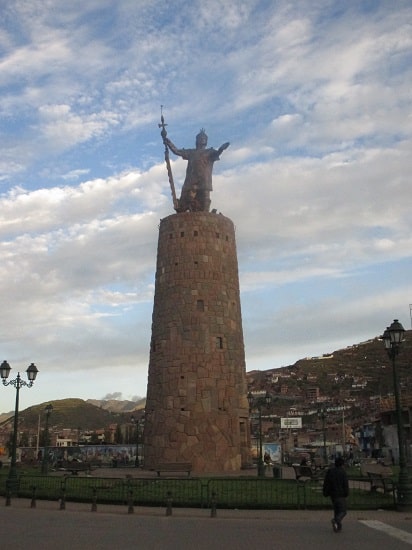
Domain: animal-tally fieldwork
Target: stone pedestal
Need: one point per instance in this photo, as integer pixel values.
(196, 408)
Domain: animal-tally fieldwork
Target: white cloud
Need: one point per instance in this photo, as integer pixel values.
(315, 102)
(75, 174)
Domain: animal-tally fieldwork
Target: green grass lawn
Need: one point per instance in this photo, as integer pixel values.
(245, 492)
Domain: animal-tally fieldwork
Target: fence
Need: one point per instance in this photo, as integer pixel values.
(247, 492)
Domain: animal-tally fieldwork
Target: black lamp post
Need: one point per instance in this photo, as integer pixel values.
(322, 416)
(392, 339)
(137, 424)
(258, 404)
(45, 463)
(17, 383)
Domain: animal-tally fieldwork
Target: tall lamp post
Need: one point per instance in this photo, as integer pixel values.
(45, 462)
(17, 383)
(135, 422)
(258, 404)
(322, 416)
(392, 339)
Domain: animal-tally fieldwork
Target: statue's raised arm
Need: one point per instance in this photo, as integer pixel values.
(173, 147)
(196, 189)
(223, 147)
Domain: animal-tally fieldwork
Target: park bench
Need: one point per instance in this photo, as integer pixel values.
(379, 476)
(378, 481)
(306, 473)
(174, 467)
(75, 467)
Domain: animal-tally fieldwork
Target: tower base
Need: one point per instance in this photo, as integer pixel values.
(196, 407)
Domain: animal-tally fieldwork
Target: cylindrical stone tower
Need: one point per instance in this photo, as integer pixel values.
(196, 406)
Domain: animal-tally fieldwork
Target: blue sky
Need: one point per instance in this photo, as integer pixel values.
(315, 99)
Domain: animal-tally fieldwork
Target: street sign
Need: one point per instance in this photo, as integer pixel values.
(290, 423)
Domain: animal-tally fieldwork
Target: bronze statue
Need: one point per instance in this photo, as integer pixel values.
(195, 195)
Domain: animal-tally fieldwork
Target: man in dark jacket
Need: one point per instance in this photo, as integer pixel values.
(336, 487)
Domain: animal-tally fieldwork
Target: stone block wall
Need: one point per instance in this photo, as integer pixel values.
(196, 407)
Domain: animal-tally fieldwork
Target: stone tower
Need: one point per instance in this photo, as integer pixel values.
(196, 407)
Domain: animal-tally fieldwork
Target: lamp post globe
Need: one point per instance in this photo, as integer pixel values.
(32, 372)
(5, 369)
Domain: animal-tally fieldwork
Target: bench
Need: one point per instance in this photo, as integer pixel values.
(305, 473)
(174, 467)
(75, 467)
(378, 481)
(379, 476)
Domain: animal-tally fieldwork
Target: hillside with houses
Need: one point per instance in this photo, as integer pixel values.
(344, 398)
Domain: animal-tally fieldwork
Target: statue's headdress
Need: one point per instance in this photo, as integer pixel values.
(201, 136)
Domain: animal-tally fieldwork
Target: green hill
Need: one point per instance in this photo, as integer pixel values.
(67, 413)
(357, 372)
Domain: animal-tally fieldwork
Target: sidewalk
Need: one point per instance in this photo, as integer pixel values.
(47, 527)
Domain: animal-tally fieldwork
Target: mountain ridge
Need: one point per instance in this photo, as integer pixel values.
(361, 370)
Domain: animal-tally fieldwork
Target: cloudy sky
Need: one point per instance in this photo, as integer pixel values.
(315, 99)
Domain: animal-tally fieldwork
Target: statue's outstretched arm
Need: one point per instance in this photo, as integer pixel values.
(222, 148)
(173, 147)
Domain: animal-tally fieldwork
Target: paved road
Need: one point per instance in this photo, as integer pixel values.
(77, 527)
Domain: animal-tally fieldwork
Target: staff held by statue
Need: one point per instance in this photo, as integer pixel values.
(163, 133)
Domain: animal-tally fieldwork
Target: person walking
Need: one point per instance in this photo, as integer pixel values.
(336, 487)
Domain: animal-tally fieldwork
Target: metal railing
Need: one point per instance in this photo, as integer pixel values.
(231, 492)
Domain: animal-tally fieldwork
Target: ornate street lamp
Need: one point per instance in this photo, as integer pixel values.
(392, 339)
(135, 422)
(258, 404)
(17, 383)
(45, 462)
